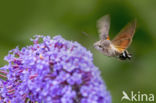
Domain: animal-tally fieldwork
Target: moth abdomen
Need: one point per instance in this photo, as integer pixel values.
(125, 55)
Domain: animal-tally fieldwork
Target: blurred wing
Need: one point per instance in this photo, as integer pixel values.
(103, 26)
(124, 38)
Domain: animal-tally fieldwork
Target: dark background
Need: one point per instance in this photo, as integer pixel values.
(20, 20)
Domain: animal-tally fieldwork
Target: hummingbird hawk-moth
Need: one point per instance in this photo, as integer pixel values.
(117, 46)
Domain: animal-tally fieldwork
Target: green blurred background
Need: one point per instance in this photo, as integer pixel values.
(20, 20)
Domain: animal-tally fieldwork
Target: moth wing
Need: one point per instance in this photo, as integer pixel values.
(103, 26)
(124, 37)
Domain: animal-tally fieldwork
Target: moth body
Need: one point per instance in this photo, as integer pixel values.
(106, 48)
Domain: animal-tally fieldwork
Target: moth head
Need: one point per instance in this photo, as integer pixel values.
(99, 45)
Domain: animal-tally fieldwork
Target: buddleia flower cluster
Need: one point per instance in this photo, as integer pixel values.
(51, 71)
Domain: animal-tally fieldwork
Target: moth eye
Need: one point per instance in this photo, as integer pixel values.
(100, 46)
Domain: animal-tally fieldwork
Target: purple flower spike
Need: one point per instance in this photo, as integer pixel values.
(52, 71)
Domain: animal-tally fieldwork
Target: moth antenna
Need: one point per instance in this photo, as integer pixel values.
(84, 33)
(87, 35)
